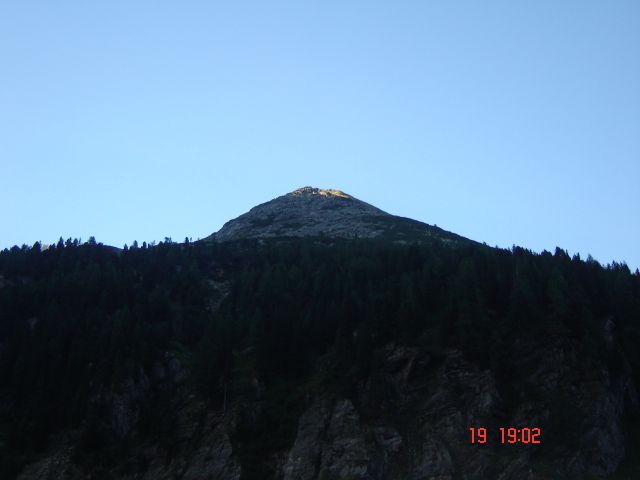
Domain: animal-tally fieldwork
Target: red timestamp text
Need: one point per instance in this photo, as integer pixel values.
(508, 435)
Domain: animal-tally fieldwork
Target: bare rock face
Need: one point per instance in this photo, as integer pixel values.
(313, 212)
(125, 404)
(347, 455)
(307, 450)
(58, 466)
(211, 459)
(331, 443)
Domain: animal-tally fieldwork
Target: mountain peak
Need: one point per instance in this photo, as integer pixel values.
(318, 191)
(315, 212)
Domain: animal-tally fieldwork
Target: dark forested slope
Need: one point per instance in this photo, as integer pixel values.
(315, 359)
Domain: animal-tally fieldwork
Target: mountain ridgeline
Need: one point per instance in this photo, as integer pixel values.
(316, 337)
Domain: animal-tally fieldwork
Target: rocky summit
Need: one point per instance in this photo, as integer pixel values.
(315, 212)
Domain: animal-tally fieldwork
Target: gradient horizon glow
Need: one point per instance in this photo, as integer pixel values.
(505, 122)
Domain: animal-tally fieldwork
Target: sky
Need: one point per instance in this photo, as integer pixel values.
(503, 121)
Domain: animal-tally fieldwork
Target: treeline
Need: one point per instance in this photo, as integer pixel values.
(76, 318)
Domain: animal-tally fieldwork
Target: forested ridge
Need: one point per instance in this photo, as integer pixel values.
(295, 317)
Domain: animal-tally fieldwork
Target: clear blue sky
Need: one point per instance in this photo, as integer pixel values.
(506, 122)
